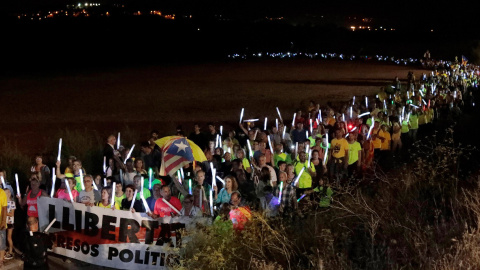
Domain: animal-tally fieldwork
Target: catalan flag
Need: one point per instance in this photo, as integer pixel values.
(178, 151)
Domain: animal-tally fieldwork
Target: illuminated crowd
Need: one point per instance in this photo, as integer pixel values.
(266, 165)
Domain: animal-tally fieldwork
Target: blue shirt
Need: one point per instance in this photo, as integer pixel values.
(223, 196)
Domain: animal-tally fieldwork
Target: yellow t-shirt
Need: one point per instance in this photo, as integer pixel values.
(305, 180)
(377, 142)
(339, 147)
(386, 142)
(100, 204)
(3, 200)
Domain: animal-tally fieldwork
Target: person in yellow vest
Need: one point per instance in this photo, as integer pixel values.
(305, 180)
(378, 138)
(338, 161)
(280, 155)
(413, 125)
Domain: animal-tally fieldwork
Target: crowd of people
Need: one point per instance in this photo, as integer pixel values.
(256, 166)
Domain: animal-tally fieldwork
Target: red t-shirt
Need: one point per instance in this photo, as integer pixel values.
(162, 209)
(32, 210)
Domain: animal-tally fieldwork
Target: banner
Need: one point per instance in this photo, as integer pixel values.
(113, 238)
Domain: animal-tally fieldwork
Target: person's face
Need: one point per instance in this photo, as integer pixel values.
(154, 135)
(76, 165)
(315, 155)
(228, 156)
(188, 202)
(98, 178)
(112, 140)
(197, 128)
(166, 193)
(137, 181)
(235, 200)
(129, 193)
(211, 128)
(300, 125)
(34, 183)
(129, 165)
(262, 160)
(282, 167)
(118, 187)
(200, 178)
(302, 157)
(228, 183)
(338, 134)
(139, 164)
(72, 183)
(261, 146)
(157, 191)
(290, 177)
(283, 177)
(146, 150)
(32, 224)
(38, 160)
(105, 195)
(87, 181)
(240, 154)
(256, 146)
(217, 151)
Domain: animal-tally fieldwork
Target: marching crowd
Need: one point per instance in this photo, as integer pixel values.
(256, 166)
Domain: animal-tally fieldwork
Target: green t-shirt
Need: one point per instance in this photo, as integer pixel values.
(353, 149)
(282, 157)
(245, 163)
(414, 121)
(326, 197)
(405, 128)
(146, 194)
(305, 180)
(118, 200)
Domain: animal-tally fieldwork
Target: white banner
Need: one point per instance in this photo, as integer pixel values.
(113, 238)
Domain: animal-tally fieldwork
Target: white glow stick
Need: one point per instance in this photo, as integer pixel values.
(81, 179)
(104, 164)
(270, 144)
(403, 112)
(293, 121)
(113, 198)
(190, 186)
(306, 134)
(150, 177)
(171, 206)
(366, 102)
(145, 204)
(133, 200)
(363, 114)
(276, 123)
(252, 120)
(50, 225)
(415, 106)
(54, 177)
(214, 183)
(384, 104)
(179, 176)
(326, 151)
(343, 117)
(142, 183)
(221, 130)
(249, 149)
(351, 112)
(221, 180)
(265, 124)
(59, 149)
(353, 103)
(355, 128)
(129, 154)
(18, 185)
(3, 180)
(69, 190)
(371, 128)
(94, 185)
(118, 141)
(104, 182)
(298, 177)
(279, 115)
(296, 148)
(211, 202)
(280, 193)
(311, 127)
(320, 115)
(284, 129)
(241, 115)
(181, 171)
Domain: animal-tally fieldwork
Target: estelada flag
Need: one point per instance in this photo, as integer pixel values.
(177, 151)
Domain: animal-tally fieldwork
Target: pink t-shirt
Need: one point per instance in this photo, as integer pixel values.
(63, 194)
(162, 209)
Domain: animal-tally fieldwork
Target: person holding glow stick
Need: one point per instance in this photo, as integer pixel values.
(10, 214)
(156, 194)
(106, 201)
(137, 182)
(62, 192)
(225, 193)
(324, 192)
(163, 207)
(89, 196)
(77, 167)
(189, 209)
(31, 199)
(305, 179)
(338, 163)
(288, 198)
(130, 194)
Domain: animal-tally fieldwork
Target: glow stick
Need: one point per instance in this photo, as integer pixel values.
(424, 103)
(307, 148)
(201, 199)
(221, 130)
(403, 112)
(221, 180)
(129, 154)
(309, 158)
(104, 182)
(94, 185)
(181, 172)
(213, 174)
(265, 124)
(216, 141)
(366, 102)
(353, 103)
(69, 190)
(320, 115)
(279, 115)
(415, 106)
(54, 177)
(145, 204)
(280, 193)
(118, 141)
(104, 164)
(241, 115)
(301, 197)
(298, 177)
(249, 149)
(363, 114)
(306, 134)
(50, 225)
(113, 198)
(81, 179)
(371, 128)
(251, 120)
(133, 200)
(142, 183)
(270, 144)
(284, 129)
(18, 185)
(276, 123)
(3, 180)
(59, 149)
(190, 186)
(296, 148)
(351, 112)
(311, 127)
(211, 202)
(150, 178)
(179, 176)
(326, 152)
(355, 128)
(256, 132)
(384, 104)
(171, 206)
(343, 117)
(293, 121)
(121, 176)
